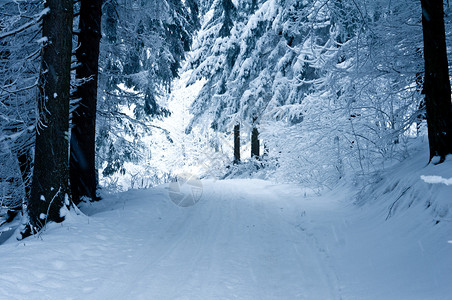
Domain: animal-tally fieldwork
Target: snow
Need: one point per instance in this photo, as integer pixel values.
(436, 179)
(243, 239)
(42, 41)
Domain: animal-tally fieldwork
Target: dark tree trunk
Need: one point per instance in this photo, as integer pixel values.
(436, 83)
(237, 144)
(25, 165)
(50, 176)
(82, 159)
(255, 142)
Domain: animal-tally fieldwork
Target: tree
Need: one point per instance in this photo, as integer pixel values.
(19, 71)
(436, 82)
(236, 143)
(255, 145)
(49, 191)
(83, 132)
(144, 45)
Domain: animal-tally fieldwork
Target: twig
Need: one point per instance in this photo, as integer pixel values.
(392, 205)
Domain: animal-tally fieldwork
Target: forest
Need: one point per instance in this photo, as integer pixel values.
(234, 146)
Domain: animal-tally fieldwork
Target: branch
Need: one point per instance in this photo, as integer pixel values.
(394, 203)
(11, 15)
(19, 90)
(137, 95)
(37, 19)
(146, 126)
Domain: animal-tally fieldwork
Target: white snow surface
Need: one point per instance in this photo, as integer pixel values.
(244, 239)
(436, 179)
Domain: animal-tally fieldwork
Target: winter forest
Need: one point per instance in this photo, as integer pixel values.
(225, 149)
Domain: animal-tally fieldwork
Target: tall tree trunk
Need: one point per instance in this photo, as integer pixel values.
(50, 176)
(436, 83)
(236, 143)
(83, 132)
(255, 141)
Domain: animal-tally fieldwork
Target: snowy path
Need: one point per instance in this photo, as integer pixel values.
(235, 243)
(242, 240)
(245, 239)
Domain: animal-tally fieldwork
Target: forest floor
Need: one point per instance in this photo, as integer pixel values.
(238, 239)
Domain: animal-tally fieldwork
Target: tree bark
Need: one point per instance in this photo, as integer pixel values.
(83, 133)
(255, 141)
(237, 144)
(26, 164)
(436, 83)
(50, 176)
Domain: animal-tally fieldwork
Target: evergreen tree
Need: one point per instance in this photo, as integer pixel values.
(50, 190)
(236, 143)
(19, 71)
(82, 153)
(141, 55)
(255, 145)
(436, 83)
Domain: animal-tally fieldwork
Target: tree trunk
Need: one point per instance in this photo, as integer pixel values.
(436, 83)
(255, 142)
(237, 144)
(83, 132)
(26, 164)
(50, 176)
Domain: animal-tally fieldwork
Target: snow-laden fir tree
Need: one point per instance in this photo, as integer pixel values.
(144, 44)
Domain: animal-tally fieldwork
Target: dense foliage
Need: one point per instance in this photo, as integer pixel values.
(341, 80)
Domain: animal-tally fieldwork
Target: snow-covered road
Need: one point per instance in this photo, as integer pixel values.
(239, 242)
(244, 239)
